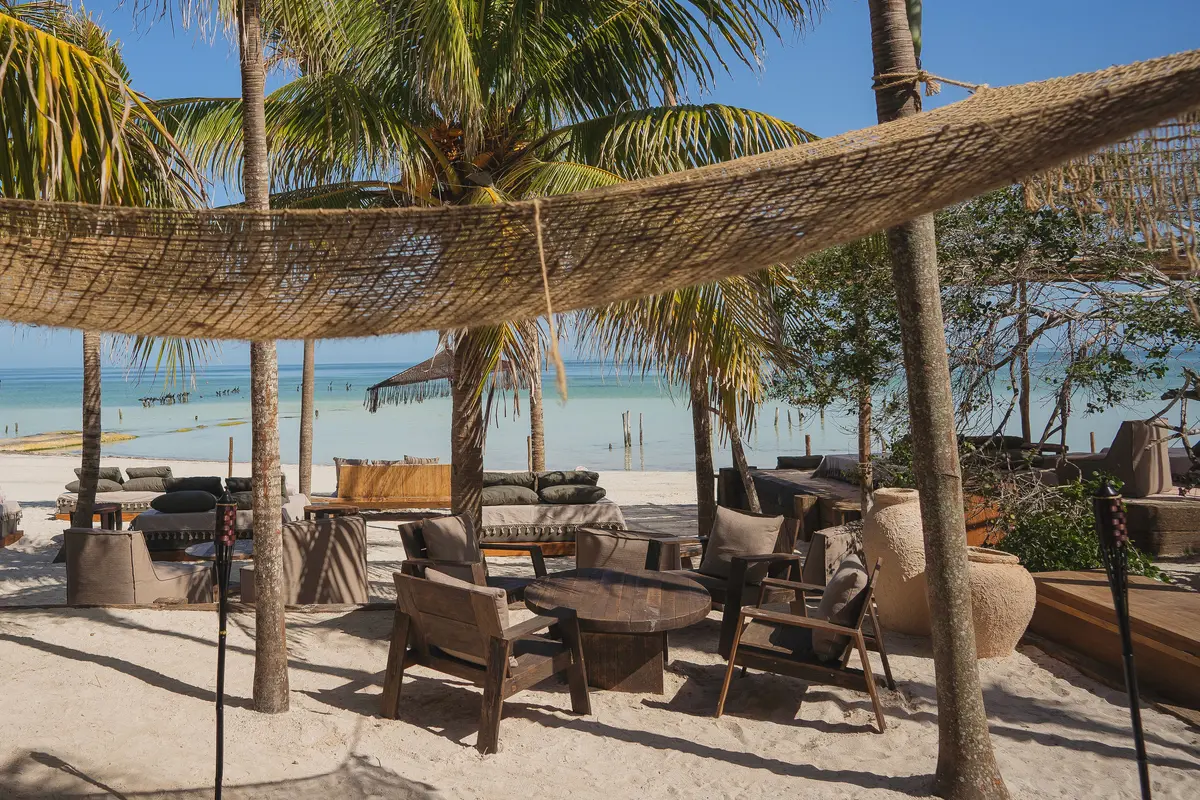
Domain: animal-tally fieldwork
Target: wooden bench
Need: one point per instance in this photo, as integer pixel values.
(384, 487)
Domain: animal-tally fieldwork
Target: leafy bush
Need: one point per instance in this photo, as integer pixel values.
(1061, 534)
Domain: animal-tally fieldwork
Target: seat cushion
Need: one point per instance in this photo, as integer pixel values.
(103, 486)
(148, 472)
(150, 483)
(210, 484)
(509, 495)
(184, 502)
(236, 485)
(497, 595)
(106, 473)
(841, 604)
(451, 539)
(573, 477)
(571, 494)
(735, 533)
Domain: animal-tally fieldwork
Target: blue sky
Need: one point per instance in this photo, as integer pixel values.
(819, 79)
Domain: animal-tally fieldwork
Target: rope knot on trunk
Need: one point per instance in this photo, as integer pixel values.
(933, 83)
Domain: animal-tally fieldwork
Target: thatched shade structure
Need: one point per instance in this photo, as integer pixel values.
(434, 377)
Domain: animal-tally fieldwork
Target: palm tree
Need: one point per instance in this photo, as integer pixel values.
(719, 341)
(446, 102)
(71, 128)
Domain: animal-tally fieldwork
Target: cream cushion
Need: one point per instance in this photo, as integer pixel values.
(735, 533)
(840, 604)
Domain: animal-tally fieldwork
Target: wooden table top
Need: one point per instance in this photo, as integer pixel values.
(608, 601)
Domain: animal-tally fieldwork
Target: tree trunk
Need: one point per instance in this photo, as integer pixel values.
(743, 468)
(537, 423)
(1023, 360)
(89, 466)
(966, 765)
(270, 637)
(866, 475)
(706, 497)
(466, 435)
(306, 417)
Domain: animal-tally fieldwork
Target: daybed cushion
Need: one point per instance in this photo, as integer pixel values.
(130, 501)
(421, 460)
(236, 485)
(201, 524)
(526, 479)
(148, 472)
(578, 477)
(210, 484)
(547, 522)
(244, 500)
(149, 483)
(510, 495)
(450, 539)
(498, 596)
(571, 494)
(840, 604)
(103, 486)
(106, 473)
(735, 533)
(184, 502)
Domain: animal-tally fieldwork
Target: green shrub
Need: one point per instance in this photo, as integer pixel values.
(1061, 534)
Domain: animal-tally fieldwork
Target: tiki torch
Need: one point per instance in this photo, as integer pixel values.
(223, 539)
(1114, 550)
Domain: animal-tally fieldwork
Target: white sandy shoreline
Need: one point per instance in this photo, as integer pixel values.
(105, 702)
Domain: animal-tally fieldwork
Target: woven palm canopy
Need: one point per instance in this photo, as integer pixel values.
(240, 274)
(433, 377)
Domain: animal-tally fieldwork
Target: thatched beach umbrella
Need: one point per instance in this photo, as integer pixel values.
(434, 377)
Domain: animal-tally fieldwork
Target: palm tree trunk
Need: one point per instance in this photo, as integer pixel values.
(706, 498)
(966, 765)
(1023, 360)
(743, 468)
(270, 638)
(89, 466)
(866, 476)
(537, 423)
(467, 430)
(306, 417)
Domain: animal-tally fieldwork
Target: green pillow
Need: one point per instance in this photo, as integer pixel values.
(106, 473)
(184, 502)
(209, 484)
(573, 477)
(526, 479)
(146, 484)
(509, 496)
(571, 495)
(102, 485)
(148, 472)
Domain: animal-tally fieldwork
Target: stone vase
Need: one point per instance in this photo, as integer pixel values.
(1003, 596)
(892, 532)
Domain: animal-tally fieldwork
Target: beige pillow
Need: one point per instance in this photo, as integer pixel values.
(497, 595)
(735, 533)
(840, 604)
(451, 539)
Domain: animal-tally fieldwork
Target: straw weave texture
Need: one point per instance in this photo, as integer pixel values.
(318, 274)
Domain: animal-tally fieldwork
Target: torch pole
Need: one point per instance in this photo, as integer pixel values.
(1114, 550)
(223, 540)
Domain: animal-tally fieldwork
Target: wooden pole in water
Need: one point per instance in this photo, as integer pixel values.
(230, 475)
(641, 434)
(1092, 435)
(776, 417)
(789, 420)
(807, 445)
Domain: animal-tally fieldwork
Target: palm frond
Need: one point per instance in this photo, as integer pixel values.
(175, 358)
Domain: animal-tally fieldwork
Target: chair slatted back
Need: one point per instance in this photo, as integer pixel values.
(447, 617)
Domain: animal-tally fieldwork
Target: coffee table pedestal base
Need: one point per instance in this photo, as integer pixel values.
(625, 662)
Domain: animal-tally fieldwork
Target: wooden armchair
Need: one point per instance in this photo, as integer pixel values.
(753, 644)
(474, 569)
(438, 619)
(730, 593)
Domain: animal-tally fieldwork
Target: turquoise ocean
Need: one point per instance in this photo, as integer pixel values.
(584, 431)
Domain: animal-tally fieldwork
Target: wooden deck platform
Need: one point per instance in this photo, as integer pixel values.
(1075, 611)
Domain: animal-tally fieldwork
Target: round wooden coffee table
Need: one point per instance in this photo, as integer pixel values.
(624, 618)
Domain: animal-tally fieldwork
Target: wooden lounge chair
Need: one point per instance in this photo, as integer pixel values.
(741, 585)
(753, 647)
(438, 619)
(473, 569)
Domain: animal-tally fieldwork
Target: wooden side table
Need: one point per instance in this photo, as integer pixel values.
(110, 515)
(319, 512)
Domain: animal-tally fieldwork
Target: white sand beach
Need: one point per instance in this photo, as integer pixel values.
(118, 703)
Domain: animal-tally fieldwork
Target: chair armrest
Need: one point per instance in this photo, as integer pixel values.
(534, 551)
(417, 567)
(686, 538)
(531, 626)
(798, 585)
(796, 621)
(768, 557)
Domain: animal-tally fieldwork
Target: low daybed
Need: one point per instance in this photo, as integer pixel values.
(545, 508)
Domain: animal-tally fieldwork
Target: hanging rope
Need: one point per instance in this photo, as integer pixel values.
(560, 373)
(933, 83)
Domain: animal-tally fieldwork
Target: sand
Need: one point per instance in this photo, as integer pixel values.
(118, 703)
